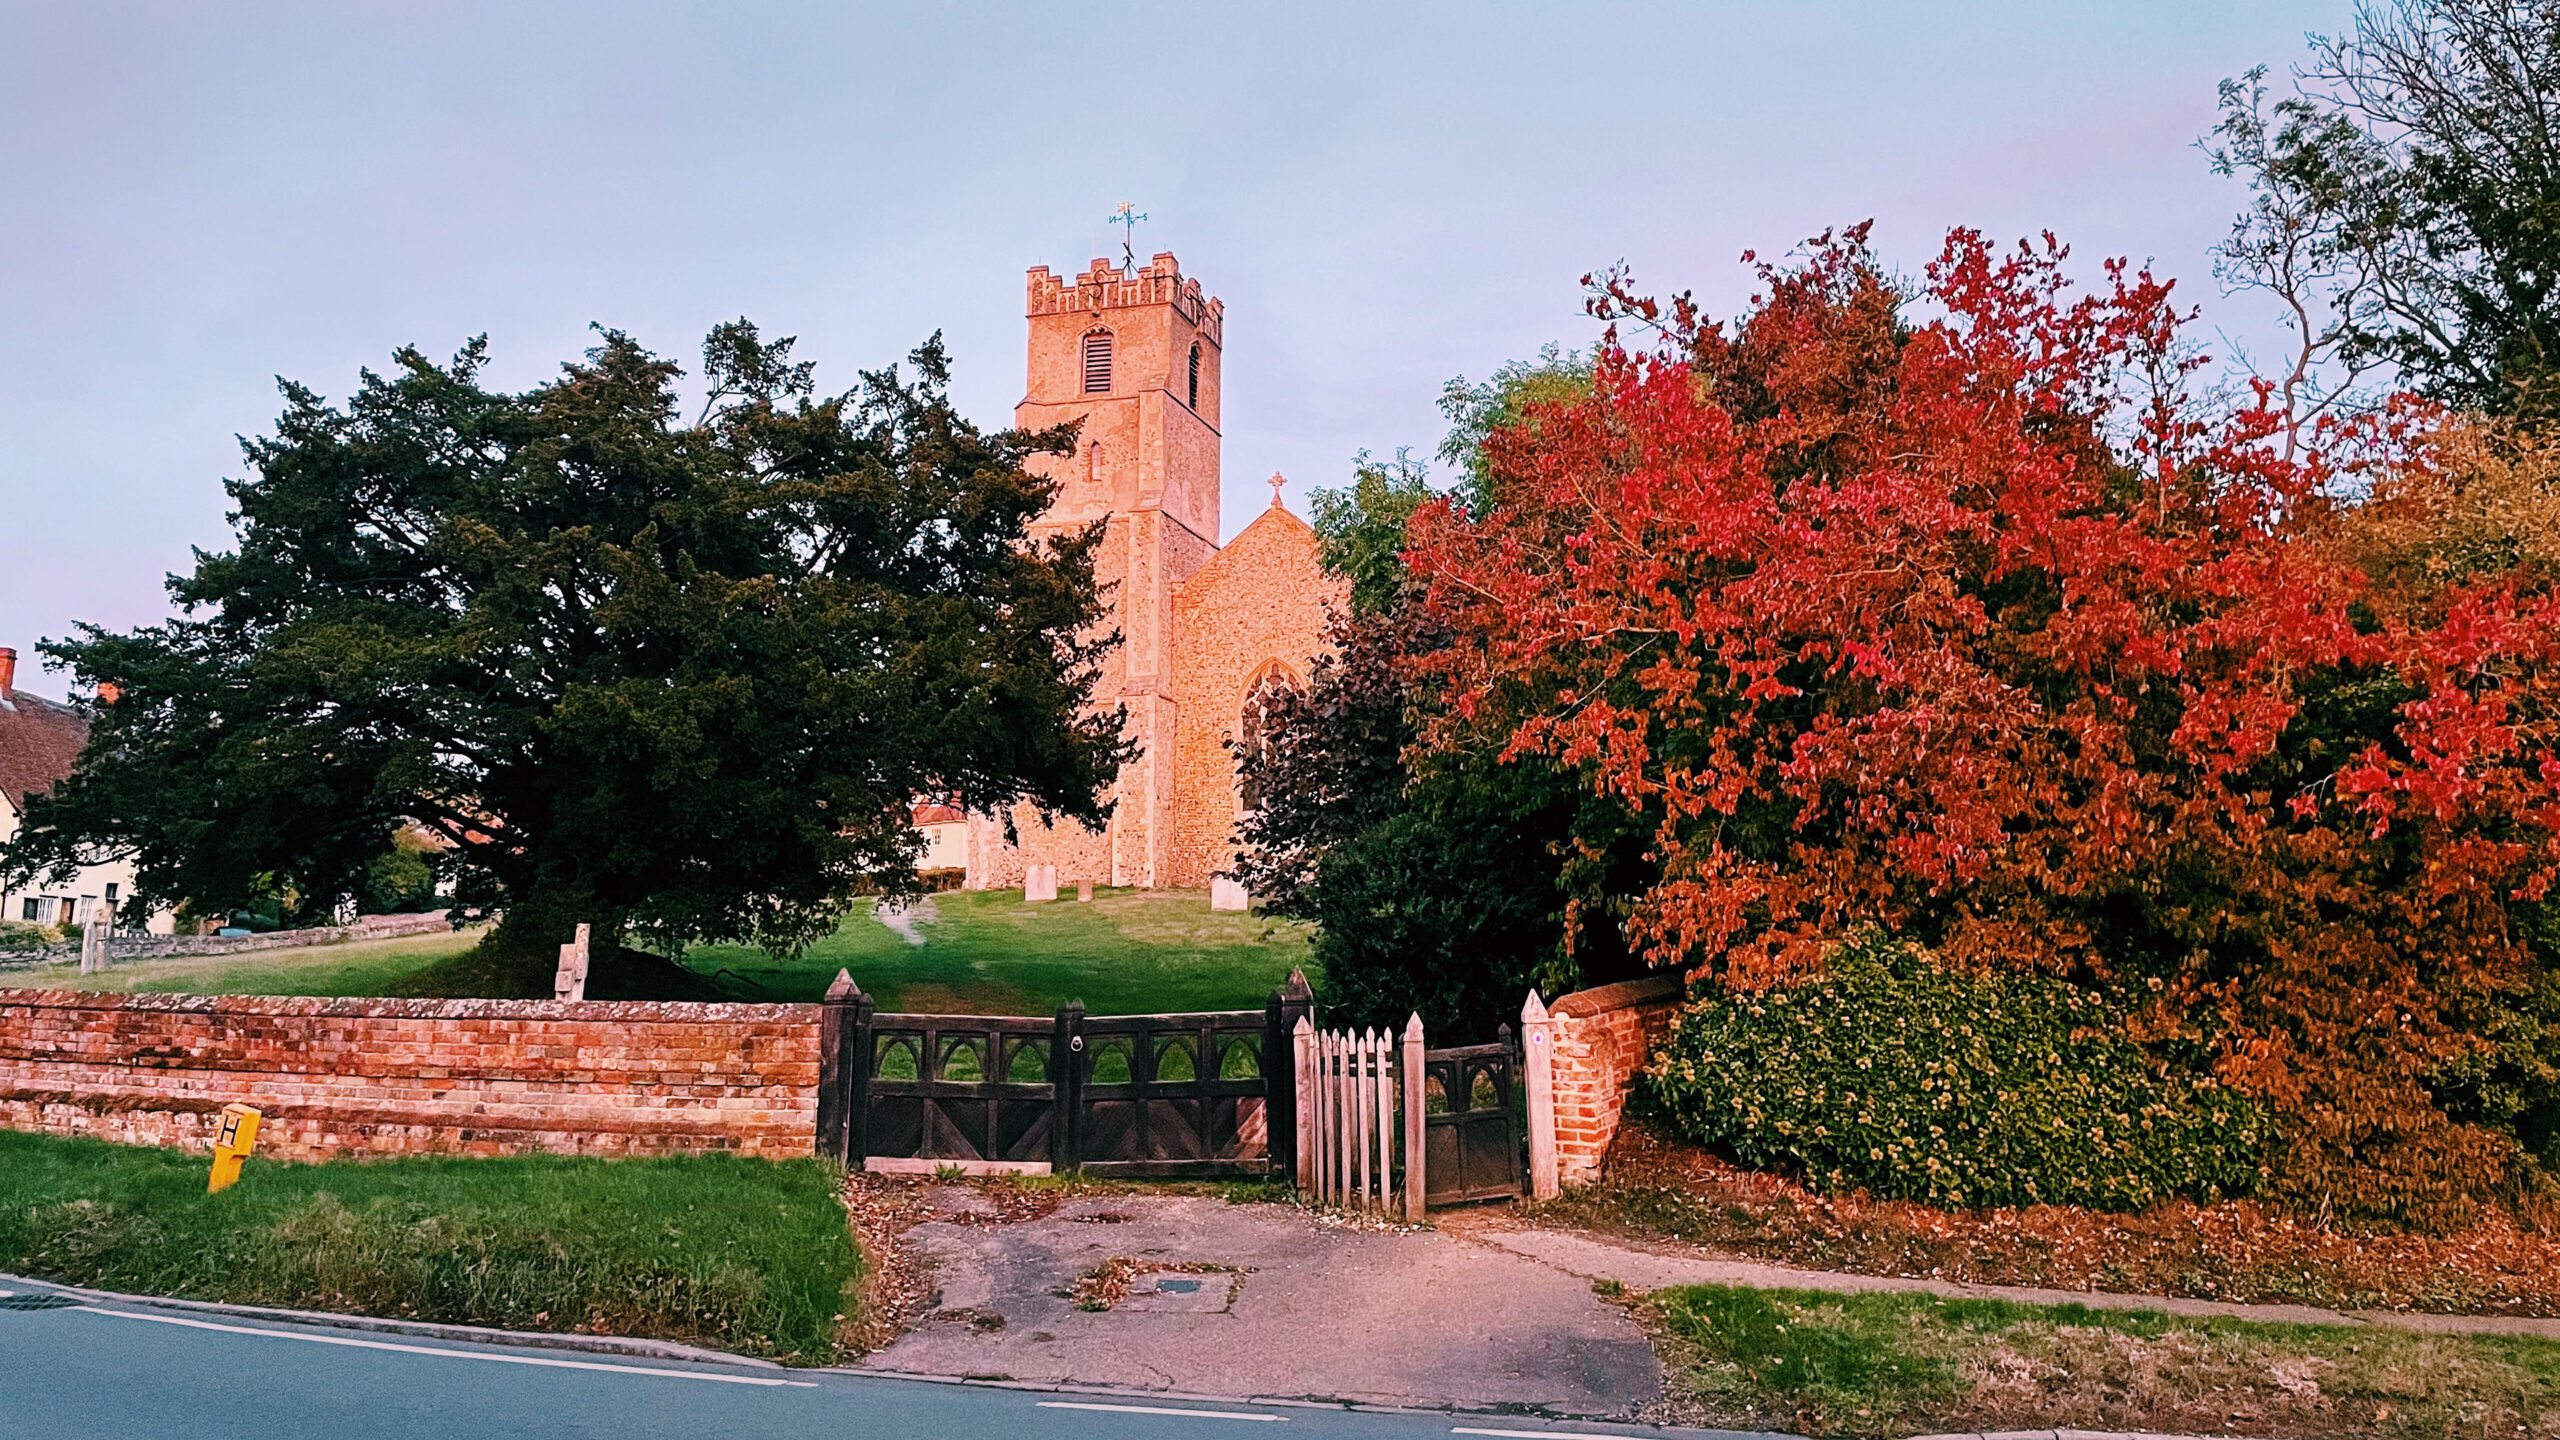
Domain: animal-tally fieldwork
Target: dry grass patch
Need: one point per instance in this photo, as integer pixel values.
(1891, 1363)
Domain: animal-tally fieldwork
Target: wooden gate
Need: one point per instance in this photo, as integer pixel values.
(1471, 1123)
(1360, 1117)
(1172, 1095)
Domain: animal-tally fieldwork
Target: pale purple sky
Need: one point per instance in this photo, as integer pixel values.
(199, 198)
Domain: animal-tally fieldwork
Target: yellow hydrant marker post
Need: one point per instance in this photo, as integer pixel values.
(232, 1144)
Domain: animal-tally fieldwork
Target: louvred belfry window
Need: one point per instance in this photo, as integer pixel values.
(1097, 363)
(1194, 401)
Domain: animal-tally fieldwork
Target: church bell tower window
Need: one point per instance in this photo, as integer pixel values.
(1194, 401)
(1097, 363)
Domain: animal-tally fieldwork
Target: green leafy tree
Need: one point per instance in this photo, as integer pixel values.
(1360, 527)
(402, 878)
(2405, 205)
(1475, 410)
(680, 680)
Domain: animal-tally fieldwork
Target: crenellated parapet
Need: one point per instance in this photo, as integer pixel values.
(1104, 286)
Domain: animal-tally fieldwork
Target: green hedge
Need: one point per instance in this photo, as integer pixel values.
(1889, 1074)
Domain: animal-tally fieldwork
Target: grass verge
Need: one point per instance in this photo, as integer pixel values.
(1891, 1363)
(985, 952)
(361, 967)
(746, 1255)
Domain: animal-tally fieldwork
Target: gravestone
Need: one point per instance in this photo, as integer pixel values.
(1226, 894)
(1084, 892)
(1039, 884)
(571, 982)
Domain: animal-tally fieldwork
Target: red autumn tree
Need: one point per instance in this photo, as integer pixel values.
(1978, 626)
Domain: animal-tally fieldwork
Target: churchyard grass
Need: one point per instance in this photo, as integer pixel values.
(985, 952)
(745, 1255)
(358, 967)
(1892, 1363)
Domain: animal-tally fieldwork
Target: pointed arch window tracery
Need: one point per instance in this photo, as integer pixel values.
(1254, 725)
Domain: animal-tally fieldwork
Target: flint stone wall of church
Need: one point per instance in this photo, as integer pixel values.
(392, 1077)
(1262, 599)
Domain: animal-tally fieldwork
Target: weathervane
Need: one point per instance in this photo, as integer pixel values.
(1128, 216)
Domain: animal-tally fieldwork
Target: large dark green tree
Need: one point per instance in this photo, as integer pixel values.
(677, 678)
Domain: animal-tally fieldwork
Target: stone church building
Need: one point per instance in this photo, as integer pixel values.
(1209, 633)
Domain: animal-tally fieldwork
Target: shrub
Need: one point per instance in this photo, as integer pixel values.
(1890, 1074)
(27, 935)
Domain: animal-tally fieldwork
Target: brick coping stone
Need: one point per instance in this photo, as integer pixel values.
(1601, 999)
(623, 1011)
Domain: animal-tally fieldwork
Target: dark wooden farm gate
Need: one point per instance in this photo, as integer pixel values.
(1205, 1094)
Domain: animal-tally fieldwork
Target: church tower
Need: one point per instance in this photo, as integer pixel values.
(1134, 357)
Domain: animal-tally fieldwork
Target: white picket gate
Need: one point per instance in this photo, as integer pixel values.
(1359, 1095)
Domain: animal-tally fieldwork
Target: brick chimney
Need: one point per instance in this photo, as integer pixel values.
(8, 670)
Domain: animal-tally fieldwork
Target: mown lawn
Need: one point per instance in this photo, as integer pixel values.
(746, 1255)
(1892, 1363)
(986, 953)
(361, 967)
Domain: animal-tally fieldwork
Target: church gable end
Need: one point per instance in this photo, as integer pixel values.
(1255, 611)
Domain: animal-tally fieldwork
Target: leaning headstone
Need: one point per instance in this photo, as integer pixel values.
(93, 945)
(1039, 884)
(571, 982)
(1226, 894)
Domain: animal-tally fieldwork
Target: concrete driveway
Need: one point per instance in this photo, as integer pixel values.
(1207, 1297)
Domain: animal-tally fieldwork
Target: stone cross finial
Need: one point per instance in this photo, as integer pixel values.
(1276, 483)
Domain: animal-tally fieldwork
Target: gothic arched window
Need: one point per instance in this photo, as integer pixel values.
(1194, 401)
(1254, 727)
(1097, 363)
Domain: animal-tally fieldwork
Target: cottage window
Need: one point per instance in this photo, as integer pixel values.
(1097, 363)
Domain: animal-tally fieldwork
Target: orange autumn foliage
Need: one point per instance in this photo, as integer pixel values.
(1980, 627)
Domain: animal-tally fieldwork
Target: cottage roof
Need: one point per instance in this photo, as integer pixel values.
(39, 741)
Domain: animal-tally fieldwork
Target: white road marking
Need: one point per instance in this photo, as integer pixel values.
(449, 1354)
(1156, 1410)
(1542, 1434)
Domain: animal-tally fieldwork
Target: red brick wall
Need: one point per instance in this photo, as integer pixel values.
(1601, 1039)
(452, 1077)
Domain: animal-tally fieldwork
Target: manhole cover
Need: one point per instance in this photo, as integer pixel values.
(1181, 1292)
(11, 1300)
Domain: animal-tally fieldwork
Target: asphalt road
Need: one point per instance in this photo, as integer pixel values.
(122, 1371)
